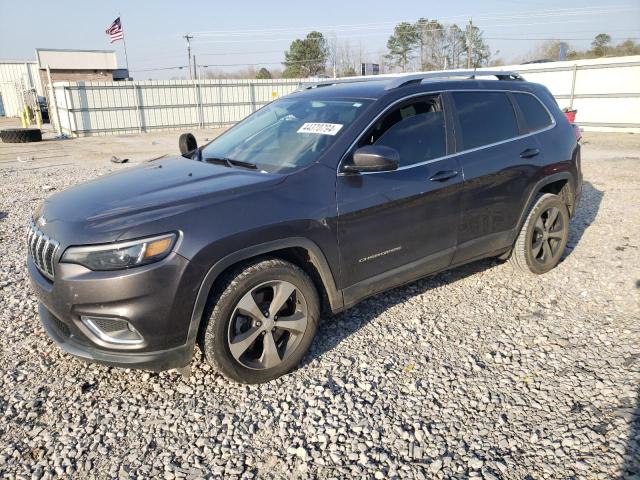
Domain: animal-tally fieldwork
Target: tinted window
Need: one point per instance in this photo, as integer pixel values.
(485, 117)
(416, 130)
(534, 112)
(286, 134)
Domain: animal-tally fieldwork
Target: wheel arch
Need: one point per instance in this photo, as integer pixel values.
(559, 183)
(300, 251)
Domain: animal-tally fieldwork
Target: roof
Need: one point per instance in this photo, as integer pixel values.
(374, 87)
(76, 59)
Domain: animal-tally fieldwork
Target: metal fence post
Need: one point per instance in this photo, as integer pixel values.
(252, 92)
(66, 106)
(220, 105)
(573, 84)
(201, 109)
(54, 101)
(138, 109)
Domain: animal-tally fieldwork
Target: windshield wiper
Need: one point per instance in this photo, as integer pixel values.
(231, 163)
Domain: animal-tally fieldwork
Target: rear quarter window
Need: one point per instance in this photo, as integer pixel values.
(535, 114)
(484, 118)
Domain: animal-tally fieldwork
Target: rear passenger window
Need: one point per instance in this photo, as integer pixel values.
(536, 116)
(416, 130)
(485, 118)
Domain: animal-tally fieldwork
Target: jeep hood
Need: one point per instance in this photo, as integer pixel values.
(102, 210)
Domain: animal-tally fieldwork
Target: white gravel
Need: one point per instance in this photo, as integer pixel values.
(477, 372)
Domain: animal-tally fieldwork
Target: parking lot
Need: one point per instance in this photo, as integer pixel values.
(476, 372)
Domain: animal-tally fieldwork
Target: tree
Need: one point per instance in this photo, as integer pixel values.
(306, 57)
(600, 44)
(348, 72)
(434, 47)
(476, 49)
(263, 74)
(343, 59)
(628, 47)
(401, 45)
(550, 50)
(455, 38)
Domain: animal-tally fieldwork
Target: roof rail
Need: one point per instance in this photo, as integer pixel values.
(400, 80)
(333, 81)
(413, 78)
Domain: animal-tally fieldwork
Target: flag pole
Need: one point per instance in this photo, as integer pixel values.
(124, 41)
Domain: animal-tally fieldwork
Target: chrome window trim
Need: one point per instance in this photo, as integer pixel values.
(462, 152)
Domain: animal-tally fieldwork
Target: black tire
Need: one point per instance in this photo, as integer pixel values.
(187, 143)
(543, 236)
(21, 135)
(221, 321)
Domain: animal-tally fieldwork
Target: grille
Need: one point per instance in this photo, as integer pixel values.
(62, 327)
(109, 325)
(42, 250)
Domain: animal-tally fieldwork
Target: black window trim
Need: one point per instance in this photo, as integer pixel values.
(522, 119)
(449, 113)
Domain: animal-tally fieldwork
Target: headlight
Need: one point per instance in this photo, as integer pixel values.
(117, 256)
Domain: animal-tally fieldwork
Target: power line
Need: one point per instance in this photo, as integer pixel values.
(517, 36)
(564, 12)
(288, 39)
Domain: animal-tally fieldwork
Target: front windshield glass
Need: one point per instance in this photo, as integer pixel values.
(286, 134)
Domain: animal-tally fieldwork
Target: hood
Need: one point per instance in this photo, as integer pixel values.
(103, 209)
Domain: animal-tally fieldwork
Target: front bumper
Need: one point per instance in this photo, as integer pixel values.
(158, 360)
(155, 299)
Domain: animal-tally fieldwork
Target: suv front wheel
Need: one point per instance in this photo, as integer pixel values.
(543, 237)
(263, 318)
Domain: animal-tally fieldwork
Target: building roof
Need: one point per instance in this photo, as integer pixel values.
(59, 59)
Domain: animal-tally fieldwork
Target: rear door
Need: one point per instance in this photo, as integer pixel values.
(394, 225)
(500, 160)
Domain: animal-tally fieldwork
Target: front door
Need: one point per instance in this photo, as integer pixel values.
(398, 225)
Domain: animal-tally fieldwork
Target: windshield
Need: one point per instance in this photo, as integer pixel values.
(286, 134)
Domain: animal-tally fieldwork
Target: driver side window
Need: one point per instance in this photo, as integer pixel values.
(415, 129)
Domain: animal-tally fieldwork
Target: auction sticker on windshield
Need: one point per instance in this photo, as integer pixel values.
(320, 128)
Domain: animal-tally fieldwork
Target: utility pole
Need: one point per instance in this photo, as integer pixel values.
(188, 39)
(195, 68)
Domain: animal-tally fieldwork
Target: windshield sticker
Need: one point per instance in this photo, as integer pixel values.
(320, 128)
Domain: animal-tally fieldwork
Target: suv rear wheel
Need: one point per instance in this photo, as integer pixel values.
(263, 320)
(543, 237)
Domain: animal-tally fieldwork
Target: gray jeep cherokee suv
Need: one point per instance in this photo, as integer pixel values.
(318, 200)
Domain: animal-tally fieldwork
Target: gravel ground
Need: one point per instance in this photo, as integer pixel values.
(477, 372)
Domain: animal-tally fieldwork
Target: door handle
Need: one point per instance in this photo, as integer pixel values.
(529, 153)
(443, 175)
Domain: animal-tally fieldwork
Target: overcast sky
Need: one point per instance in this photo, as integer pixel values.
(231, 33)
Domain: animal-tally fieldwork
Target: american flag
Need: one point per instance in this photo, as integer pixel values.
(115, 30)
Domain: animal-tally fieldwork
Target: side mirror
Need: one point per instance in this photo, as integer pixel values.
(373, 158)
(187, 143)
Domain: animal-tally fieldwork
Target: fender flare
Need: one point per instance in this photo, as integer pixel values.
(315, 255)
(534, 191)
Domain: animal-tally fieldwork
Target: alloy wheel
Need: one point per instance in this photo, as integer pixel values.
(267, 324)
(548, 232)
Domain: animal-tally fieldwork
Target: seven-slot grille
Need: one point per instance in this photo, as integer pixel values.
(42, 249)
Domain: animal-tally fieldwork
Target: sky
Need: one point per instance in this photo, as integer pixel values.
(234, 35)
